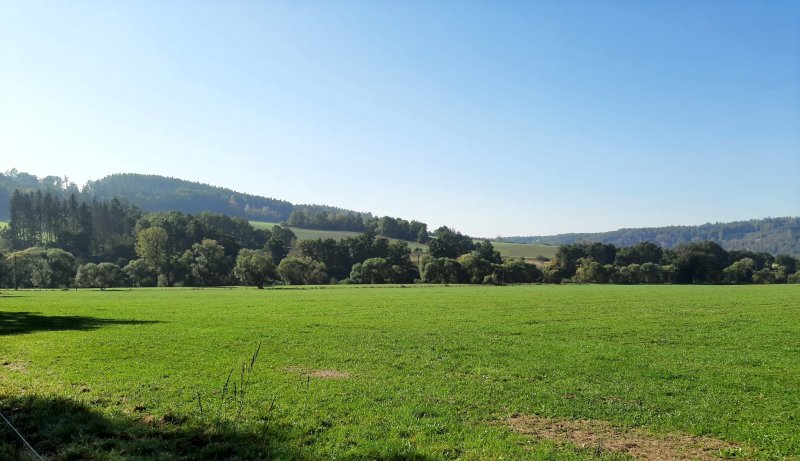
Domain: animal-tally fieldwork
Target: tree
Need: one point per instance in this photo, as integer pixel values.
(372, 270)
(141, 274)
(764, 276)
(789, 263)
(335, 255)
(651, 273)
(209, 265)
(254, 267)
(485, 250)
(567, 257)
(152, 247)
(86, 276)
(449, 243)
(301, 271)
(591, 271)
(552, 273)
(279, 243)
(603, 253)
(61, 267)
(399, 258)
(442, 270)
(103, 275)
(31, 268)
(627, 274)
(700, 262)
(475, 268)
(640, 253)
(740, 272)
(5, 272)
(518, 271)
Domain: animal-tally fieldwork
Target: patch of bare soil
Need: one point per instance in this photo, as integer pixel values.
(636, 443)
(322, 374)
(16, 366)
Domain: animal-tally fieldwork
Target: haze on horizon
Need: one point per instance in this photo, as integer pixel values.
(514, 118)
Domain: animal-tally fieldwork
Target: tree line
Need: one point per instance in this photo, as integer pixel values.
(703, 262)
(343, 220)
(51, 243)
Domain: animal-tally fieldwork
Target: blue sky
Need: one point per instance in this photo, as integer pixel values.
(497, 118)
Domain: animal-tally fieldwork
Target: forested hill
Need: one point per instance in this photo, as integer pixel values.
(159, 193)
(771, 235)
(150, 193)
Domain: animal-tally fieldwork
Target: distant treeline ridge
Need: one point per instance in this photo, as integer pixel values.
(771, 235)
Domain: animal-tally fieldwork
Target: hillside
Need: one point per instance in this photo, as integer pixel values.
(771, 235)
(159, 193)
(506, 249)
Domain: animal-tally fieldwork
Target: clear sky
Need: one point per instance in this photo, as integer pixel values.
(495, 117)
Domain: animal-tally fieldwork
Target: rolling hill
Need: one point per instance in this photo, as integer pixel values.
(771, 235)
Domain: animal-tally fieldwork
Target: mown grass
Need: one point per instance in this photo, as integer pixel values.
(433, 371)
(511, 250)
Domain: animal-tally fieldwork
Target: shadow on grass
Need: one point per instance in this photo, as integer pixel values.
(60, 428)
(17, 323)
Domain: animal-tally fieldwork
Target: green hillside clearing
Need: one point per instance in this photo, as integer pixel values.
(515, 250)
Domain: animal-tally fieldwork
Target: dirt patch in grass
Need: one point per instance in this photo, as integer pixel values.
(329, 374)
(636, 443)
(19, 367)
(322, 374)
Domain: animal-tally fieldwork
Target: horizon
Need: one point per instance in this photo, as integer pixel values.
(495, 119)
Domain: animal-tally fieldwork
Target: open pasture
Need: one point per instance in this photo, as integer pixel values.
(307, 234)
(423, 372)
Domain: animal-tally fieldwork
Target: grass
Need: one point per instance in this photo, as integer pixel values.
(429, 372)
(514, 250)
(525, 250)
(3, 224)
(307, 234)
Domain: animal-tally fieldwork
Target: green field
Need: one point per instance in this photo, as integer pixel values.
(420, 372)
(514, 250)
(307, 234)
(3, 224)
(524, 250)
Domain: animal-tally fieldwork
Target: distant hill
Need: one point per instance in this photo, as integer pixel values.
(772, 235)
(159, 193)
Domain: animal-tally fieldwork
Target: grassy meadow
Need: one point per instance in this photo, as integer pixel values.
(513, 250)
(307, 234)
(392, 373)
